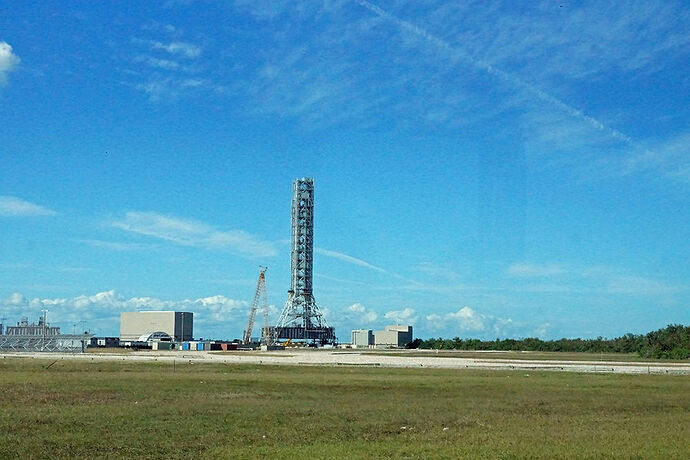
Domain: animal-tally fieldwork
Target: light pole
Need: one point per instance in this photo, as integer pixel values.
(45, 316)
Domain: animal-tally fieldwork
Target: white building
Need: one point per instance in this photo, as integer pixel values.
(393, 337)
(179, 325)
(362, 338)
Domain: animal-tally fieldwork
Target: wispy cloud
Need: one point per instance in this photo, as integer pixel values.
(526, 270)
(438, 271)
(11, 206)
(362, 263)
(192, 233)
(456, 52)
(562, 278)
(545, 57)
(8, 61)
(350, 259)
(671, 156)
(187, 50)
(639, 286)
(167, 70)
(167, 64)
(116, 245)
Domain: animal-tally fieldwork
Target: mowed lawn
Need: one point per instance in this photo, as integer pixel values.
(145, 410)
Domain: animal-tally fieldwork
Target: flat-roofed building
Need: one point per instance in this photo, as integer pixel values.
(178, 324)
(362, 338)
(393, 337)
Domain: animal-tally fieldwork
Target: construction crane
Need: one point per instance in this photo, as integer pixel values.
(259, 296)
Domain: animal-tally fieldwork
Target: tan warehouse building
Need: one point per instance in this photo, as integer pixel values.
(177, 324)
(362, 338)
(393, 337)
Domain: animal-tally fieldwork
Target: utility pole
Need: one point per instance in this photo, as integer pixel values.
(45, 316)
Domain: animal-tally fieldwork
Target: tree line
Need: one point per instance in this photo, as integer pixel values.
(671, 342)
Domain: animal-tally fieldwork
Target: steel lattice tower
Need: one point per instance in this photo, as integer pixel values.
(301, 318)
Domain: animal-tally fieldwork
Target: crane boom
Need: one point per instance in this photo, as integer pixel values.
(258, 294)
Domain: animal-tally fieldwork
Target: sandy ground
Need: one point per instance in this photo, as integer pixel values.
(295, 357)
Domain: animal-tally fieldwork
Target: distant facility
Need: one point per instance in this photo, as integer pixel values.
(176, 324)
(24, 328)
(301, 318)
(393, 337)
(362, 338)
(40, 336)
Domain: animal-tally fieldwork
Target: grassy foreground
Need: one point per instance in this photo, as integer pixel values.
(145, 410)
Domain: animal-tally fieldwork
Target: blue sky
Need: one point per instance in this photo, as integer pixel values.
(482, 169)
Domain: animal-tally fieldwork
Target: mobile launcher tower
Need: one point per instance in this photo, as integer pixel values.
(301, 319)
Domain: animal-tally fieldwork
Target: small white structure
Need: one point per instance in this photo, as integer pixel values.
(393, 337)
(362, 338)
(178, 325)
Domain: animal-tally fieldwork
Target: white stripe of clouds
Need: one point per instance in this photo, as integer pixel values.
(514, 80)
(361, 263)
(11, 206)
(193, 233)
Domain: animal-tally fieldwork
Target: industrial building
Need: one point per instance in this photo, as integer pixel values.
(104, 342)
(393, 337)
(178, 325)
(40, 336)
(24, 328)
(362, 338)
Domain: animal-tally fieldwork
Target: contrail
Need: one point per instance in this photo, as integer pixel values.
(359, 262)
(515, 81)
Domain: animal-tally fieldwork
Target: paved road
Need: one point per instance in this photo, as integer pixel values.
(354, 358)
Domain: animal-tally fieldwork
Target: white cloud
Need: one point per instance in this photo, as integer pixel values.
(357, 308)
(404, 316)
(115, 246)
(355, 316)
(193, 233)
(671, 156)
(638, 285)
(361, 315)
(15, 299)
(168, 76)
(167, 64)
(216, 314)
(11, 206)
(187, 50)
(8, 61)
(467, 321)
(533, 270)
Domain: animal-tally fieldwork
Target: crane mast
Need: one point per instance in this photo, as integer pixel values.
(260, 296)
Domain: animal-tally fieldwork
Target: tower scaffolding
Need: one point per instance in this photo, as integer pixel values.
(301, 319)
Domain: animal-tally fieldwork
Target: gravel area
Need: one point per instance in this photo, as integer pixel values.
(296, 357)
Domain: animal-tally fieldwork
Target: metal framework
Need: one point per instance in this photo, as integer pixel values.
(63, 342)
(301, 318)
(260, 296)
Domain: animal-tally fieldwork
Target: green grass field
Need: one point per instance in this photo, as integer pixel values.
(145, 410)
